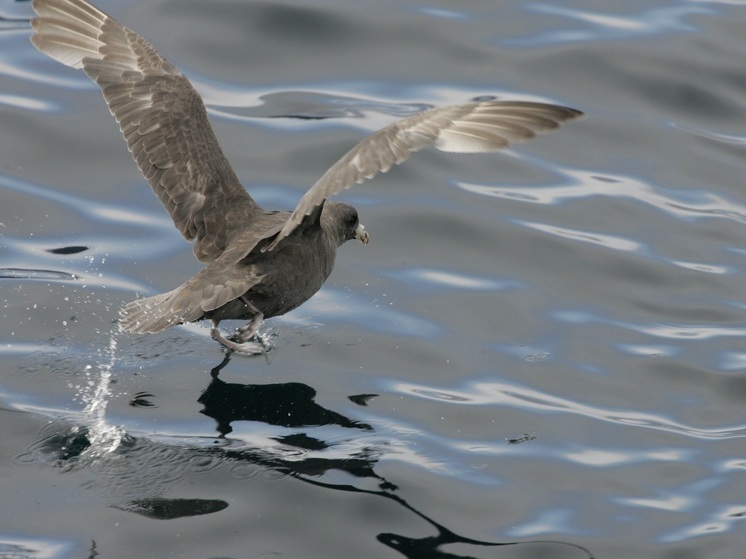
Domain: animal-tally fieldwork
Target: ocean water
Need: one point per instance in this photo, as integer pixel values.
(541, 353)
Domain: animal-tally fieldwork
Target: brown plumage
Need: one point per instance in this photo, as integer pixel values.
(259, 263)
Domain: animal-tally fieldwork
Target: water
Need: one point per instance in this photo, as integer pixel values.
(540, 347)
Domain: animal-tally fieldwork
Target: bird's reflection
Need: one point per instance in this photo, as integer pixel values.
(308, 459)
(289, 404)
(430, 547)
(292, 405)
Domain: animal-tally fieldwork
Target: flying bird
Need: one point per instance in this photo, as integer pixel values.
(259, 263)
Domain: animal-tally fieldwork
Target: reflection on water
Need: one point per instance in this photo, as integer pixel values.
(685, 205)
(19, 273)
(600, 25)
(299, 456)
(289, 404)
(168, 509)
(307, 105)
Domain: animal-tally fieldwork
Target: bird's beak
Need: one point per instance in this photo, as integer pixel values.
(361, 234)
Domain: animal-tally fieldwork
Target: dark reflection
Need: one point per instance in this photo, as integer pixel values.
(65, 446)
(288, 404)
(429, 547)
(10, 23)
(67, 250)
(25, 273)
(142, 400)
(64, 449)
(306, 105)
(168, 509)
(523, 439)
(300, 23)
(361, 466)
(230, 401)
(362, 399)
(305, 458)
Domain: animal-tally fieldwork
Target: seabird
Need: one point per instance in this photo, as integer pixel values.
(259, 263)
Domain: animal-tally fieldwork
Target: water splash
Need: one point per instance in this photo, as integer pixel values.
(103, 437)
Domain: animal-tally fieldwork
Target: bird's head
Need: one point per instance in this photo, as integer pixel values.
(341, 220)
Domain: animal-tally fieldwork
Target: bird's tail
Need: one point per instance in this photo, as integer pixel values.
(156, 313)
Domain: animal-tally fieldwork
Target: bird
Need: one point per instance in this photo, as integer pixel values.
(258, 263)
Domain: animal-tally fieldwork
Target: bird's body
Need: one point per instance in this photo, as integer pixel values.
(259, 263)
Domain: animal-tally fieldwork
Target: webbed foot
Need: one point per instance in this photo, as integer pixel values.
(251, 346)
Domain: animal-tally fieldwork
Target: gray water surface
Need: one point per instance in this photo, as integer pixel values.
(542, 347)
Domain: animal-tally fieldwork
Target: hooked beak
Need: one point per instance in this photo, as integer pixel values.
(361, 234)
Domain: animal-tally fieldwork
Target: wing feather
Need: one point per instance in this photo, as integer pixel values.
(470, 128)
(161, 116)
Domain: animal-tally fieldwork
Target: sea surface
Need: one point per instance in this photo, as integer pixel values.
(540, 354)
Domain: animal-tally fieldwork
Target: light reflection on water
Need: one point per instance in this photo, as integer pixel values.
(502, 394)
(603, 26)
(682, 204)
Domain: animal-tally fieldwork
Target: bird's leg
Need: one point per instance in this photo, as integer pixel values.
(225, 342)
(246, 331)
(243, 334)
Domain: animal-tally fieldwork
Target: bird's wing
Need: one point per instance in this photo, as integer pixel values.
(471, 128)
(161, 116)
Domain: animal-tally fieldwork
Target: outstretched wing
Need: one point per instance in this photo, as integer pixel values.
(161, 116)
(470, 128)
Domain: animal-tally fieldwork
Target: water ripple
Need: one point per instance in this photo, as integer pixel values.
(688, 205)
(603, 26)
(613, 458)
(16, 66)
(420, 278)
(26, 103)
(609, 241)
(717, 522)
(707, 268)
(25, 273)
(529, 399)
(96, 210)
(710, 135)
(37, 548)
(669, 331)
(335, 305)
